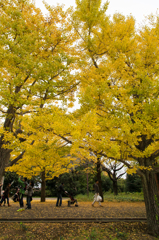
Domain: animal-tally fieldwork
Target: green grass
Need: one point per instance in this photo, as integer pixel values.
(121, 197)
(110, 197)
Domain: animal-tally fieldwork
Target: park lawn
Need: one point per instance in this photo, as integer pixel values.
(110, 197)
(75, 231)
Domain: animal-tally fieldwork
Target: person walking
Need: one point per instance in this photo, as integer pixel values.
(60, 190)
(96, 189)
(30, 193)
(6, 195)
(23, 186)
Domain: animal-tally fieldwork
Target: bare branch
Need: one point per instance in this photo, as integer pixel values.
(16, 159)
(121, 175)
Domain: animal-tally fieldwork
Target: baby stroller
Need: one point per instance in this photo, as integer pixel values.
(72, 200)
(15, 197)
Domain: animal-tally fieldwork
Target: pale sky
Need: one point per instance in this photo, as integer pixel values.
(138, 8)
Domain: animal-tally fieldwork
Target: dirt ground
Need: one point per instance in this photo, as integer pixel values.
(78, 231)
(85, 210)
(73, 231)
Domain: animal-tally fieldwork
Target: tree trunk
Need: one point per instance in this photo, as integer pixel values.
(4, 152)
(157, 180)
(4, 159)
(151, 197)
(43, 185)
(99, 178)
(115, 187)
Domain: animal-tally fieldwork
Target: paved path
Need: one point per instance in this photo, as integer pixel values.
(85, 210)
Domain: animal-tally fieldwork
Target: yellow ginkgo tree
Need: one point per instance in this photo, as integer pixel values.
(36, 60)
(119, 75)
(118, 86)
(45, 153)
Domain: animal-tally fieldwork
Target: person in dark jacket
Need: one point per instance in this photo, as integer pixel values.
(30, 193)
(96, 189)
(60, 190)
(6, 195)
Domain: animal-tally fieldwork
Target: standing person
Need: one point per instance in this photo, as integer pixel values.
(30, 193)
(6, 195)
(60, 190)
(23, 185)
(96, 189)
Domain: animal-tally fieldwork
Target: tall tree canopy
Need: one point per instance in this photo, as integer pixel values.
(45, 151)
(119, 100)
(35, 67)
(118, 72)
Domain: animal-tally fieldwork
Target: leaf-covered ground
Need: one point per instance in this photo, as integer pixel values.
(85, 209)
(71, 231)
(78, 231)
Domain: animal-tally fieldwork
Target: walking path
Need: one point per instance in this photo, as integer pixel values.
(48, 210)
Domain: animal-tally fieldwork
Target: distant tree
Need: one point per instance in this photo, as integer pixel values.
(75, 181)
(106, 183)
(10, 177)
(113, 169)
(133, 183)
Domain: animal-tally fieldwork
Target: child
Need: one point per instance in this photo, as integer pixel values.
(6, 195)
(30, 193)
